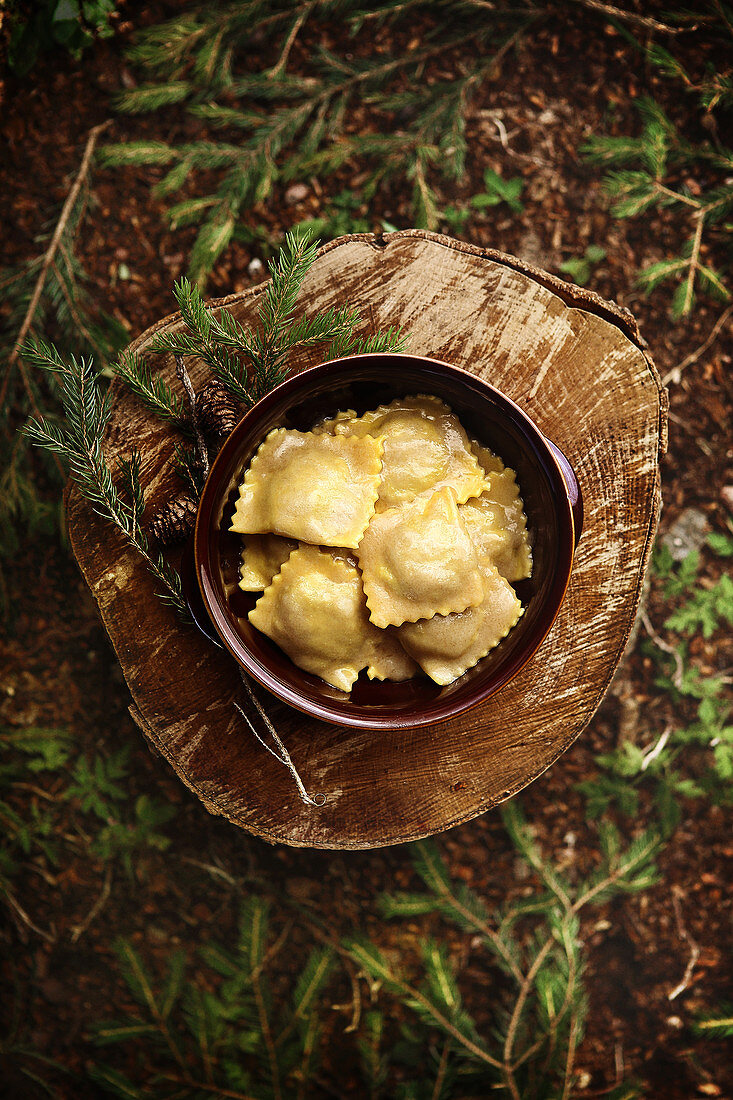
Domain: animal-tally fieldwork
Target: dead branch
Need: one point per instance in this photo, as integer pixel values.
(355, 1003)
(674, 374)
(440, 1077)
(214, 871)
(48, 260)
(666, 648)
(79, 929)
(694, 948)
(632, 17)
(19, 914)
(282, 754)
(652, 753)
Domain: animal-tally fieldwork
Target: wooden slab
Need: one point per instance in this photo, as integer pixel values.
(577, 365)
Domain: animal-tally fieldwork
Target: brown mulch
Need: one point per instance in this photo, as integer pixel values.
(59, 669)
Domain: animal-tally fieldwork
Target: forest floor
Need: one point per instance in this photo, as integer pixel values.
(59, 670)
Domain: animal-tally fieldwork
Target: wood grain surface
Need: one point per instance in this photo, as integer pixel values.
(574, 363)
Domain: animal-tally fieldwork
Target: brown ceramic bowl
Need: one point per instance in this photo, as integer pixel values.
(552, 504)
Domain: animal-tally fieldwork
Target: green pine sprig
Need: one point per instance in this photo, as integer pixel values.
(77, 440)
(155, 394)
(718, 1026)
(249, 362)
(280, 125)
(538, 1022)
(227, 1036)
(644, 174)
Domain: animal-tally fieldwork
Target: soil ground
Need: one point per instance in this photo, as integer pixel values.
(573, 76)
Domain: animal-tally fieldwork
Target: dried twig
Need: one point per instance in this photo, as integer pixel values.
(214, 871)
(201, 448)
(48, 260)
(19, 913)
(674, 374)
(355, 1003)
(282, 755)
(79, 929)
(679, 667)
(442, 1067)
(632, 17)
(694, 948)
(654, 752)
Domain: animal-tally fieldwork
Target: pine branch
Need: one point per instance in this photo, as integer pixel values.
(155, 394)
(294, 125)
(434, 873)
(249, 363)
(78, 441)
(637, 189)
(188, 469)
(374, 964)
(718, 1026)
(644, 21)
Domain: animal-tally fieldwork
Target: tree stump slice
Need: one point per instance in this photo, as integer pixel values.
(578, 366)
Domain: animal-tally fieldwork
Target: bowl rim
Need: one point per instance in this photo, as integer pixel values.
(329, 712)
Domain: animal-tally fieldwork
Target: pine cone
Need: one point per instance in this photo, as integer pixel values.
(174, 521)
(218, 412)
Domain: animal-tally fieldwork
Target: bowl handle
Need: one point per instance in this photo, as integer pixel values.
(192, 595)
(575, 496)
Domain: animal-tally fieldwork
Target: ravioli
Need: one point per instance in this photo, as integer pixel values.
(320, 489)
(417, 561)
(425, 448)
(389, 660)
(262, 556)
(497, 525)
(315, 611)
(446, 646)
(383, 542)
(489, 462)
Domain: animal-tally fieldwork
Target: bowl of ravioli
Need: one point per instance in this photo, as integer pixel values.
(384, 541)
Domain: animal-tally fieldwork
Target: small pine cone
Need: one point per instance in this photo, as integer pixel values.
(174, 521)
(217, 410)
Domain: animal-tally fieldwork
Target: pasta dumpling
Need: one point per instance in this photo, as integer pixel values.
(446, 646)
(425, 448)
(417, 561)
(320, 489)
(497, 525)
(313, 591)
(383, 543)
(262, 556)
